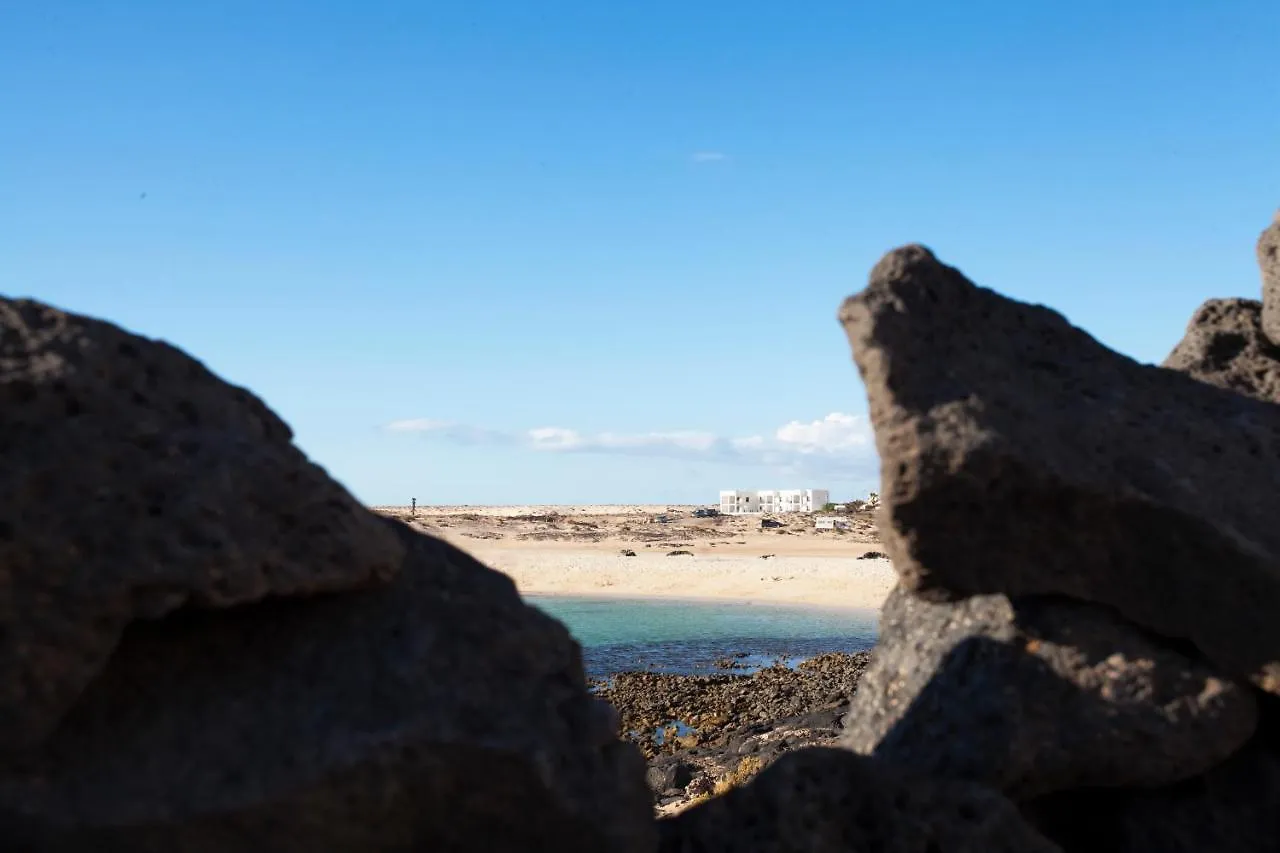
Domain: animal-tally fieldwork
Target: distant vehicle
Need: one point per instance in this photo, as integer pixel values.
(705, 512)
(769, 522)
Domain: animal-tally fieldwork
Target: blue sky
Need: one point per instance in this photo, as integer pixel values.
(501, 252)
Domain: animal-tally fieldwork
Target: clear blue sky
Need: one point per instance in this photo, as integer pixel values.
(422, 230)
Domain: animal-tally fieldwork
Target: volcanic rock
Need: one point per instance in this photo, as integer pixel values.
(133, 482)
(669, 775)
(1036, 695)
(832, 801)
(436, 712)
(1233, 808)
(1225, 346)
(1020, 456)
(722, 709)
(1269, 261)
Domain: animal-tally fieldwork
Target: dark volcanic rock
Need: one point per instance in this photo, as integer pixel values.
(1039, 695)
(133, 482)
(763, 742)
(669, 775)
(832, 801)
(1269, 261)
(437, 712)
(1233, 808)
(722, 707)
(1020, 456)
(1225, 346)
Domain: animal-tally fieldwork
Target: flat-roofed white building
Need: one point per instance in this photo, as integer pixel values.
(745, 501)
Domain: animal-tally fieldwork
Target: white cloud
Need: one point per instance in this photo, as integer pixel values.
(834, 433)
(838, 445)
(555, 439)
(709, 157)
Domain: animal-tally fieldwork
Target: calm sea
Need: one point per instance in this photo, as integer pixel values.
(620, 635)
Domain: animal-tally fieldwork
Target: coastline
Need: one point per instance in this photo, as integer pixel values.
(799, 606)
(720, 715)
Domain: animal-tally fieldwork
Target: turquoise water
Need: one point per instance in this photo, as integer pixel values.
(620, 635)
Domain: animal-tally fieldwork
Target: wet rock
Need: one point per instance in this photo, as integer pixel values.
(133, 482)
(1037, 695)
(723, 708)
(874, 555)
(1225, 346)
(1020, 456)
(679, 553)
(820, 800)
(627, 552)
(435, 712)
(1269, 261)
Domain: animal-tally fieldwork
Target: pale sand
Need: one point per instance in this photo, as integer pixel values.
(576, 550)
(836, 582)
(511, 510)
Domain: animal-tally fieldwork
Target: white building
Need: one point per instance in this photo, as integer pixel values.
(741, 501)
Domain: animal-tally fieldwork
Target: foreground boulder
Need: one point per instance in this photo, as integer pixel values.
(1225, 346)
(1020, 456)
(832, 801)
(1269, 261)
(436, 712)
(209, 646)
(1039, 695)
(133, 482)
(1233, 808)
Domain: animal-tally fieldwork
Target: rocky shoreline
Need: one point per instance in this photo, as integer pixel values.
(698, 732)
(208, 645)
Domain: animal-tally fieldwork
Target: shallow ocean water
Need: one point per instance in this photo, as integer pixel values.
(687, 637)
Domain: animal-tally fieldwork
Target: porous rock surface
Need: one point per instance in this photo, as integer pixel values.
(1233, 808)
(433, 712)
(1036, 695)
(133, 482)
(1225, 346)
(241, 658)
(832, 801)
(1269, 261)
(1020, 456)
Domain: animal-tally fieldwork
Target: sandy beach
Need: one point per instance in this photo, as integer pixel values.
(627, 551)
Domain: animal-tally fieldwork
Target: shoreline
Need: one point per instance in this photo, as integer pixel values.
(702, 599)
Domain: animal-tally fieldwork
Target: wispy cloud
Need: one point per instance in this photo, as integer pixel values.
(709, 157)
(453, 431)
(416, 425)
(838, 446)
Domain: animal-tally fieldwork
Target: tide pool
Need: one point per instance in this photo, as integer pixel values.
(688, 637)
